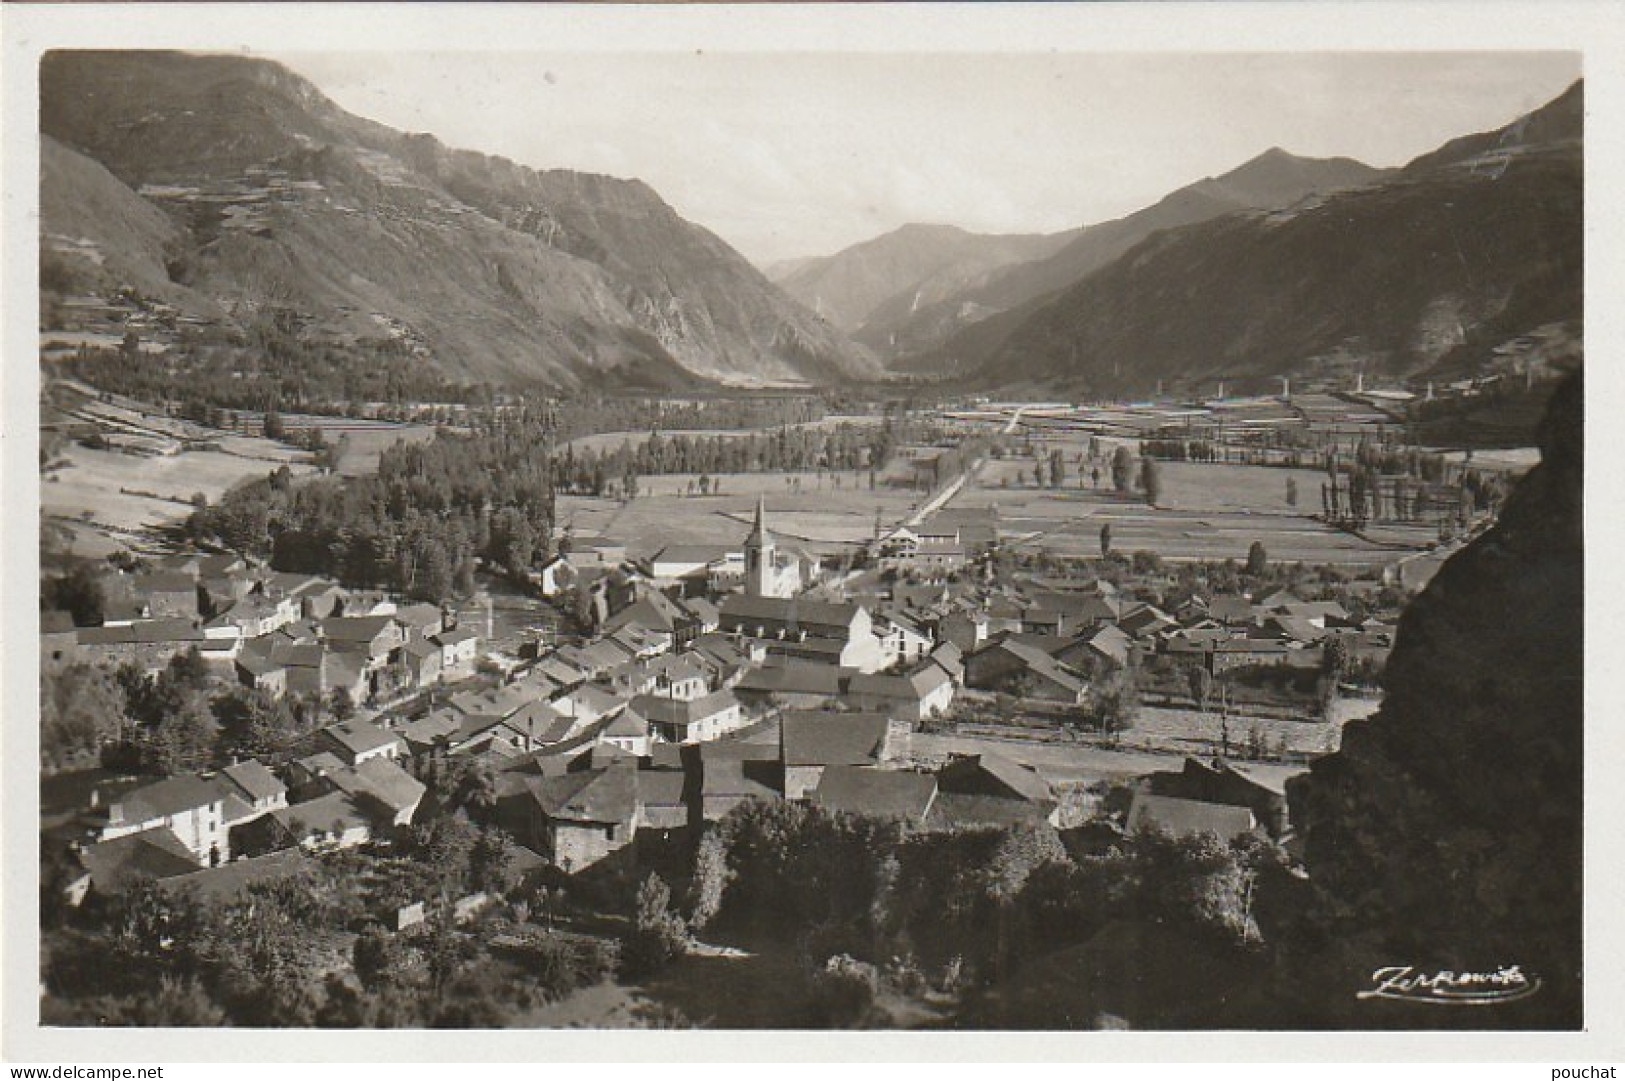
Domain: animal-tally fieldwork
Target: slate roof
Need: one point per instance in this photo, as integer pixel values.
(431, 727)
(607, 796)
(336, 808)
(671, 711)
(1185, 817)
(876, 793)
(691, 553)
(1018, 781)
(383, 780)
(255, 779)
(354, 628)
(1230, 609)
(230, 879)
(792, 612)
(628, 724)
(154, 853)
(832, 739)
(172, 796)
(359, 737)
(793, 678)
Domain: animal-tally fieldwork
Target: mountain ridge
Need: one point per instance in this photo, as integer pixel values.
(499, 271)
(1265, 180)
(1455, 262)
(914, 263)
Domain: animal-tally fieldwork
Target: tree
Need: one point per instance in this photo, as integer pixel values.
(1201, 684)
(1057, 469)
(340, 704)
(1122, 469)
(274, 427)
(1115, 701)
(492, 863)
(377, 958)
(253, 724)
(1257, 560)
(710, 882)
(81, 710)
(183, 739)
(1150, 479)
(1105, 540)
(658, 934)
(79, 593)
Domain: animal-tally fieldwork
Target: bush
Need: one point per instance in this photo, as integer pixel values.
(562, 963)
(659, 936)
(843, 991)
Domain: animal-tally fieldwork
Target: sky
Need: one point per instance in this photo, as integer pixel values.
(790, 155)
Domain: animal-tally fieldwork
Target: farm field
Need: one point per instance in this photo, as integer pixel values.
(1206, 511)
(821, 517)
(602, 441)
(368, 438)
(98, 488)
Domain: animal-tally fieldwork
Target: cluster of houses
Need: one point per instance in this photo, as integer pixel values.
(281, 632)
(351, 789)
(687, 701)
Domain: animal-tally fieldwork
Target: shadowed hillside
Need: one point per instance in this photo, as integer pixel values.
(1446, 834)
(280, 201)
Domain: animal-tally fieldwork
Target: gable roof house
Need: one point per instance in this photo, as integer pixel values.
(1007, 663)
(811, 742)
(382, 787)
(459, 649)
(926, 691)
(876, 793)
(375, 636)
(733, 771)
(115, 864)
(332, 821)
(990, 790)
(833, 633)
(190, 808)
(257, 785)
(1187, 817)
(629, 731)
(355, 742)
(695, 720)
(1224, 782)
(794, 684)
(580, 819)
(167, 595)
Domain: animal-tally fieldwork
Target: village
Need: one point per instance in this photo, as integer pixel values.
(714, 675)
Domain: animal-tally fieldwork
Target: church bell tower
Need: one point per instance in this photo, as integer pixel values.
(760, 569)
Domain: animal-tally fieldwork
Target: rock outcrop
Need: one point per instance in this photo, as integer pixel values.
(1446, 834)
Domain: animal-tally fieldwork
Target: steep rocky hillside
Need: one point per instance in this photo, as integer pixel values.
(278, 199)
(1446, 834)
(906, 269)
(1271, 180)
(1440, 266)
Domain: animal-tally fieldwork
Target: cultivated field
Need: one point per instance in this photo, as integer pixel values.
(1205, 511)
(819, 516)
(368, 439)
(109, 492)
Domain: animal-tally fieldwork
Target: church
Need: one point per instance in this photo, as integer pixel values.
(769, 572)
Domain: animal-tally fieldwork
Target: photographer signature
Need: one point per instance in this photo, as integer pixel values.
(1509, 983)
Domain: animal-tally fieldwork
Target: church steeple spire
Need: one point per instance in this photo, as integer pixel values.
(760, 563)
(759, 535)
